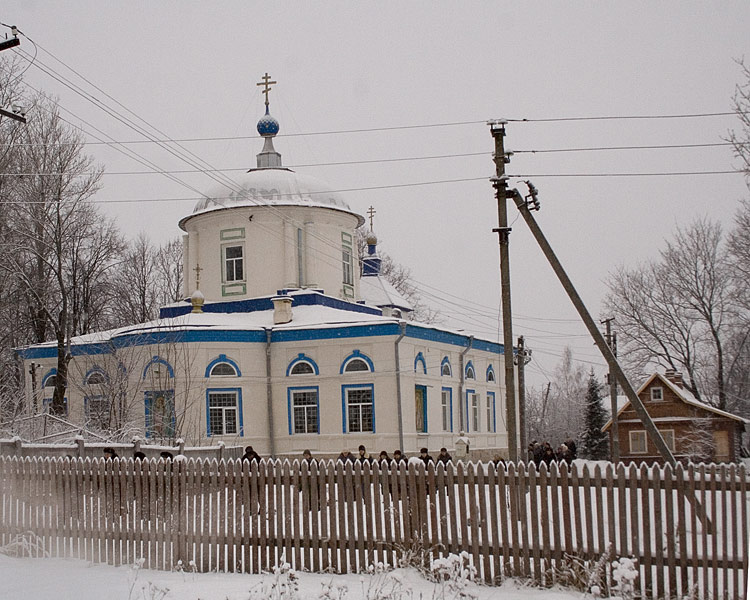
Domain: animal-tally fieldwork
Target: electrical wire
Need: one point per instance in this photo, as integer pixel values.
(657, 174)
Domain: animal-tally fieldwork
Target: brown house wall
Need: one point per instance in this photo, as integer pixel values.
(672, 413)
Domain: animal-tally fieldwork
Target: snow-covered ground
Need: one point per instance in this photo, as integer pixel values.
(59, 579)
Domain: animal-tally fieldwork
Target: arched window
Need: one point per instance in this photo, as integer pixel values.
(302, 365)
(470, 374)
(96, 378)
(357, 362)
(223, 369)
(490, 374)
(302, 368)
(419, 360)
(223, 366)
(445, 368)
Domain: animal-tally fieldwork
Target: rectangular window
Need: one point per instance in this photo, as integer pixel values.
(446, 405)
(346, 262)
(657, 394)
(638, 442)
(491, 412)
(475, 412)
(360, 409)
(97, 412)
(420, 407)
(668, 435)
(233, 263)
(223, 412)
(304, 404)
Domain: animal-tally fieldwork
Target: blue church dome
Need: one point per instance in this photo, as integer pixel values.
(268, 126)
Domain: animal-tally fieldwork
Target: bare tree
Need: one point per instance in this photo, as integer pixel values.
(168, 267)
(50, 229)
(681, 312)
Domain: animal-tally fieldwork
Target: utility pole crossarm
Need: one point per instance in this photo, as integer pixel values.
(599, 340)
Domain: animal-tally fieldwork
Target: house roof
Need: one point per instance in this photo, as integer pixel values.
(683, 394)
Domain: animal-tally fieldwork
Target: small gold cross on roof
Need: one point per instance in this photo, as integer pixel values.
(267, 83)
(371, 211)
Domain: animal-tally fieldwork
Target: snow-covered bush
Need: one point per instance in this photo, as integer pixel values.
(330, 590)
(24, 544)
(281, 584)
(453, 576)
(384, 585)
(624, 576)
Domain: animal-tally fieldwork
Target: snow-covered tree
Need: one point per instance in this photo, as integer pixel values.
(594, 442)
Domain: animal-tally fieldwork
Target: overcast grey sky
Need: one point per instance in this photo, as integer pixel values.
(191, 69)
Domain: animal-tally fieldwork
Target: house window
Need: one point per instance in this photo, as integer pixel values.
(470, 372)
(490, 374)
(160, 414)
(359, 409)
(223, 370)
(223, 412)
(657, 394)
(475, 412)
(304, 410)
(97, 412)
(445, 368)
(446, 406)
(346, 263)
(233, 263)
(491, 412)
(302, 368)
(49, 393)
(668, 435)
(637, 442)
(420, 407)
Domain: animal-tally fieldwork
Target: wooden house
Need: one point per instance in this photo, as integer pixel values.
(693, 430)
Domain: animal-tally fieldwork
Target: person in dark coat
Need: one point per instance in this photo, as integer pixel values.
(364, 457)
(571, 444)
(384, 460)
(251, 454)
(346, 457)
(308, 459)
(139, 456)
(109, 453)
(166, 455)
(398, 457)
(425, 457)
(537, 454)
(444, 457)
(549, 454)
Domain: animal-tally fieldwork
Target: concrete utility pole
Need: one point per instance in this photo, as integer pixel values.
(651, 430)
(6, 44)
(523, 356)
(612, 380)
(500, 183)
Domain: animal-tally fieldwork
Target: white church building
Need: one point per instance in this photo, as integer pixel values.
(283, 342)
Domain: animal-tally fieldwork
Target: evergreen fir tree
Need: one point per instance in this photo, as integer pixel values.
(595, 442)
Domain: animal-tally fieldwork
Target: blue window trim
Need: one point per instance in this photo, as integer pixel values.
(450, 405)
(467, 413)
(223, 358)
(49, 374)
(289, 407)
(239, 409)
(420, 359)
(92, 370)
(47, 402)
(157, 360)
(424, 407)
(352, 356)
(147, 404)
(470, 365)
(490, 369)
(446, 361)
(301, 357)
(494, 415)
(344, 410)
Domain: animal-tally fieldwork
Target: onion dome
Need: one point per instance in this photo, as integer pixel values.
(268, 126)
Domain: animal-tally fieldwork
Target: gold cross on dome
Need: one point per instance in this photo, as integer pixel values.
(372, 212)
(267, 83)
(198, 270)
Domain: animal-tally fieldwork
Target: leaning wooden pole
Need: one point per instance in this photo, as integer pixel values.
(599, 340)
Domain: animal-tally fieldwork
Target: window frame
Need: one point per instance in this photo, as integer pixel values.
(641, 434)
(345, 405)
(491, 413)
(660, 394)
(424, 423)
(447, 408)
(354, 356)
(152, 395)
(668, 435)
(475, 420)
(225, 262)
(237, 391)
(292, 409)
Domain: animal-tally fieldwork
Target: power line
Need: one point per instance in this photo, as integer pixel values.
(605, 148)
(655, 174)
(626, 117)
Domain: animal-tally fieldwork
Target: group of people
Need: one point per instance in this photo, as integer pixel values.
(398, 457)
(542, 452)
(111, 454)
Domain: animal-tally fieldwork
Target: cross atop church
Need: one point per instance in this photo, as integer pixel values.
(267, 83)
(372, 212)
(197, 270)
